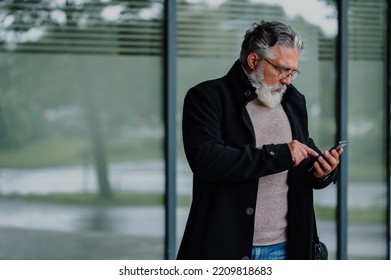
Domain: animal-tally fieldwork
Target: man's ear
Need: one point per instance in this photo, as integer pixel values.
(252, 60)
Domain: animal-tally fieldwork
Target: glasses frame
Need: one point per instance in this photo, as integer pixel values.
(292, 73)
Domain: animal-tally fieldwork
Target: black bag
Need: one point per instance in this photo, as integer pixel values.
(319, 249)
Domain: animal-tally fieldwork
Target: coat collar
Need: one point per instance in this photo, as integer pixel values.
(240, 86)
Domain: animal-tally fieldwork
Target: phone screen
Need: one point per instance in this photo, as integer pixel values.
(340, 144)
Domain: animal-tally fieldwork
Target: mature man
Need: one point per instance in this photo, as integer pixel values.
(247, 142)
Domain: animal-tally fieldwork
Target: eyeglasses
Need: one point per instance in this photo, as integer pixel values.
(284, 72)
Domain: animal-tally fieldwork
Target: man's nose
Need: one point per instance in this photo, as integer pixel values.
(286, 81)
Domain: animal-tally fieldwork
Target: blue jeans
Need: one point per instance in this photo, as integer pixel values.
(270, 252)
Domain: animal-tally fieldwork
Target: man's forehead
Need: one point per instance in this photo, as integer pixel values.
(286, 57)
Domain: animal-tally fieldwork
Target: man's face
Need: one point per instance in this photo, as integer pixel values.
(270, 77)
(277, 70)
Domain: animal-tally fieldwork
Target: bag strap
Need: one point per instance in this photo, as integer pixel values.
(315, 236)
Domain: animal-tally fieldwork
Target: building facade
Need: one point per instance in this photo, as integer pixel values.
(91, 93)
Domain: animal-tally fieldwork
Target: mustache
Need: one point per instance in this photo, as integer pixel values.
(278, 88)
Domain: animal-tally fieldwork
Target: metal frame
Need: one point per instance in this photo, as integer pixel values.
(342, 123)
(342, 127)
(388, 132)
(170, 127)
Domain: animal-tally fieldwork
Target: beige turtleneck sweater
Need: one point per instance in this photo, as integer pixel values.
(271, 126)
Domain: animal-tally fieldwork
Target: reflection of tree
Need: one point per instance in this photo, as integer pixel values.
(104, 28)
(74, 26)
(68, 27)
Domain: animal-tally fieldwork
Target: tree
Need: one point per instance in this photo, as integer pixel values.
(63, 26)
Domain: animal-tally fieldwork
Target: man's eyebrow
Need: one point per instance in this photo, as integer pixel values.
(285, 68)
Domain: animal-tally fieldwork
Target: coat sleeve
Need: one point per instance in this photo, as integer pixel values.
(210, 158)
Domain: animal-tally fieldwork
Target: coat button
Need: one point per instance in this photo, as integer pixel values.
(247, 93)
(249, 211)
(245, 258)
(272, 153)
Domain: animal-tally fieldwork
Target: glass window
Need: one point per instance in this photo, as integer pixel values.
(81, 162)
(209, 39)
(367, 199)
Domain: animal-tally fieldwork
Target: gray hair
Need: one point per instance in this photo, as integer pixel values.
(262, 37)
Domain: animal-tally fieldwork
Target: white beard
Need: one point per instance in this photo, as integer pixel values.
(269, 95)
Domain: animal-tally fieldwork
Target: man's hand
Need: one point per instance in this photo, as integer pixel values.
(327, 163)
(299, 152)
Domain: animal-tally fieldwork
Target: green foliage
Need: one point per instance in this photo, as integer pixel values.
(373, 215)
(47, 152)
(70, 151)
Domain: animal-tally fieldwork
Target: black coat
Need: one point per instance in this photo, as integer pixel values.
(219, 144)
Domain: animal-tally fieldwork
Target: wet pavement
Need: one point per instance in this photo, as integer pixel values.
(32, 230)
(32, 244)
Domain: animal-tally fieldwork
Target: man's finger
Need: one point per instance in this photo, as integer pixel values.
(311, 151)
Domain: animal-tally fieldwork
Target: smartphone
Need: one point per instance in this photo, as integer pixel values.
(337, 146)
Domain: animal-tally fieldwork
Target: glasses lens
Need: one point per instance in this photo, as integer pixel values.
(294, 74)
(286, 74)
